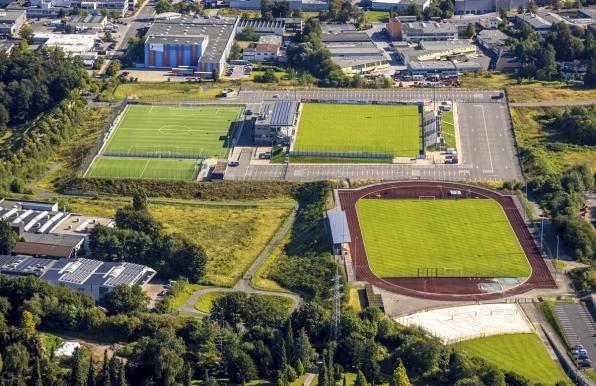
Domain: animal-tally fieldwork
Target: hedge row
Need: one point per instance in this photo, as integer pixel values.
(213, 191)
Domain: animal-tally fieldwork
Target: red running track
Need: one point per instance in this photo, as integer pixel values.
(441, 288)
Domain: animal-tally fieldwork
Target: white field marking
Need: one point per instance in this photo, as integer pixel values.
(143, 171)
(151, 109)
(490, 157)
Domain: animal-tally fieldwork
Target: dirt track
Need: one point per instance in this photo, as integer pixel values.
(441, 288)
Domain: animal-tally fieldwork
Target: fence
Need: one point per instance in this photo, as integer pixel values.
(338, 154)
(114, 117)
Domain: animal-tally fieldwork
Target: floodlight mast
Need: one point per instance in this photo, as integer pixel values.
(336, 304)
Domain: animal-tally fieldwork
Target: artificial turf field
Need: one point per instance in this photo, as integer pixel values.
(145, 168)
(173, 130)
(458, 238)
(348, 128)
(521, 353)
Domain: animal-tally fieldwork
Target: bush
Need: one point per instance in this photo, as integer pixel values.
(224, 190)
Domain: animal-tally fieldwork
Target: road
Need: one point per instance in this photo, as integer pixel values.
(244, 284)
(138, 21)
(555, 103)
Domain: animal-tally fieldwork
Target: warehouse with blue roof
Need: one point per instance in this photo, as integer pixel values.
(199, 43)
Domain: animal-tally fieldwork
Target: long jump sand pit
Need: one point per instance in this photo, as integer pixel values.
(454, 324)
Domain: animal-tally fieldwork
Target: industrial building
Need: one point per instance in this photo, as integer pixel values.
(305, 5)
(92, 276)
(442, 58)
(202, 43)
(494, 42)
(464, 7)
(354, 51)
(418, 31)
(262, 27)
(47, 231)
(386, 5)
(276, 123)
(538, 23)
(11, 22)
(51, 8)
(93, 23)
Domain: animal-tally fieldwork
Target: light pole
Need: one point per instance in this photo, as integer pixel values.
(557, 257)
(541, 235)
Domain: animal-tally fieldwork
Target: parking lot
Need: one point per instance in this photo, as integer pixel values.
(577, 325)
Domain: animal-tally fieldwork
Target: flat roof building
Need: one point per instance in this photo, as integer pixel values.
(200, 42)
(418, 31)
(262, 27)
(353, 51)
(88, 23)
(305, 5)
(386, 5)
(11, 22)
(92, 276)
(536, 22)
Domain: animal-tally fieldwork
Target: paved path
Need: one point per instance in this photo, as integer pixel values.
(310, 377)
(244, 285)
(554, 103)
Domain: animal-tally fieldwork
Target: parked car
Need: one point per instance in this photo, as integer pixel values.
(584, 363)
(248, 112)
(163, 293)
(234, 163)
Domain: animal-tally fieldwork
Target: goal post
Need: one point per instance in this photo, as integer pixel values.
(420, 198)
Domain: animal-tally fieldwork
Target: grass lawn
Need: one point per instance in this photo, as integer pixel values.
(177, 130)
(50, 342)
(448, 128)
(205, 302)
(165, 91)
(144, 168)
(232, 236)
(182, 297)
(523, 353)
(468, 237)
(531, 135)
(260, 279)
(359, 129)
(376, 16)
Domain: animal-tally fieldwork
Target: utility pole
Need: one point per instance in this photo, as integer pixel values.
(557, 257)
(541, 235)
(336, 304)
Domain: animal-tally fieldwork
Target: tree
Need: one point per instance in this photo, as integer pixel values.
(304, 352)
(108, 36)
(91, 373)
(125, 299)
(37, 378)
(28, 323)
(26, 33)
(360, 379)
(235, 51)
(400, 377)
(299, 368)
(113, 68)
(8, 238)
(139, 200)
(77, 376)
(471, 30)
(590, 77)
(105, 370)
(97, 63)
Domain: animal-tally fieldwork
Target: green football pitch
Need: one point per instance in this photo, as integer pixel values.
(173, 130)
(522, 353)
(457, 238)
(347, 128)
(145, 168)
